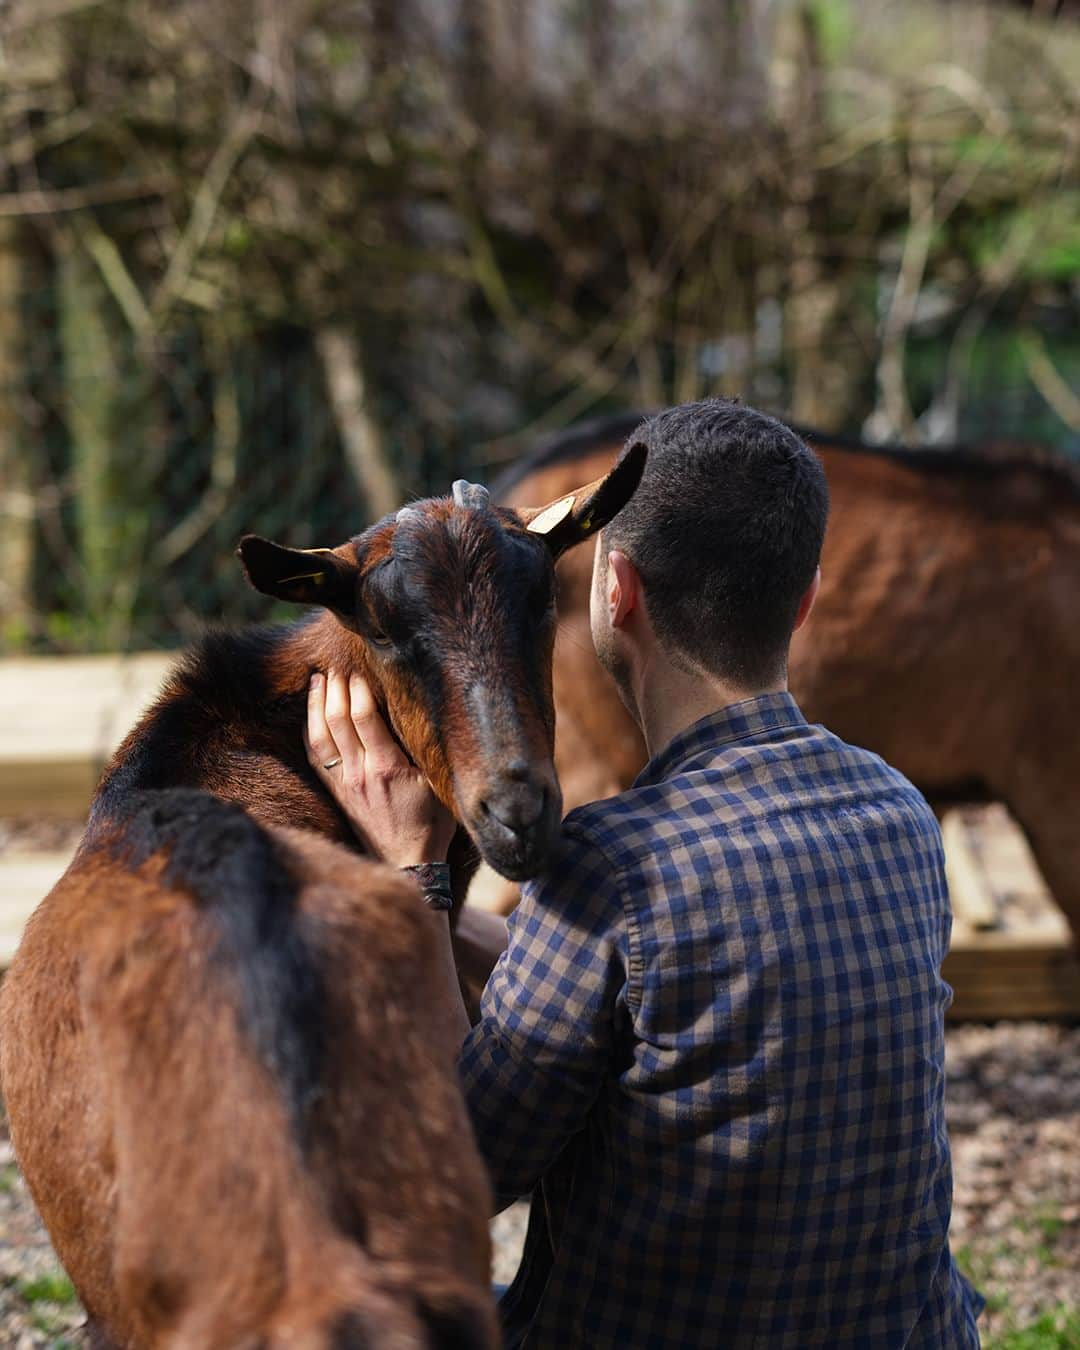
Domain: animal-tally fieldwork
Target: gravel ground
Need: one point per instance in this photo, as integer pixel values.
(1014, 1115)
(1015, 1120)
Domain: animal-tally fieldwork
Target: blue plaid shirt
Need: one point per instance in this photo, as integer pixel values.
(714, 1050)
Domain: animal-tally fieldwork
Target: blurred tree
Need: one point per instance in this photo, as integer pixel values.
(16, 499)
(309, 256)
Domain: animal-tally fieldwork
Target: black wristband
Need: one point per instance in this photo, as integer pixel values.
(434, 879)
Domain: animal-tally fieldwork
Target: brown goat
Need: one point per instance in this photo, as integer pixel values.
(233, 1108)
(319, 1194)
(448, 610)
(944, 636)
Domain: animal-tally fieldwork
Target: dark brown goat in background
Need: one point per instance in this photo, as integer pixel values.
(234, 1111)
(944, 635)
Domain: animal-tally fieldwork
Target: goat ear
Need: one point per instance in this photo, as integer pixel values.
(307, 576)
(576, 517)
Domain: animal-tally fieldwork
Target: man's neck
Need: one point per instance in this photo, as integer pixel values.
(670, 698)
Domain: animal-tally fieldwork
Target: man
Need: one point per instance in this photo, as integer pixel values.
(712, 1049)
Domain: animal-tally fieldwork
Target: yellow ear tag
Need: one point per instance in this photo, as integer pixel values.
(317, 577)
(551, 516)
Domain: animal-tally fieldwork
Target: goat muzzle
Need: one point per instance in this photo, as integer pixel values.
(515, 821)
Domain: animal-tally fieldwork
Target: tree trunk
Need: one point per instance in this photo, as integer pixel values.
(474, 63)
(361, 436)
(733, 37)
(16, 484)
(824, 376)
(600, 20)
(107, 402)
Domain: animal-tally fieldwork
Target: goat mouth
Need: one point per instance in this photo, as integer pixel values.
(517, 852)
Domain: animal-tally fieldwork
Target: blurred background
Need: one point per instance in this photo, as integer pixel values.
(278, 265)
(275, 264)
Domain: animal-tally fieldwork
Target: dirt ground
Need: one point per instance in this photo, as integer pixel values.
(1014, 1111)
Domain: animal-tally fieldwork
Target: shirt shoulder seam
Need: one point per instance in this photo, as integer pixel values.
(635, 965)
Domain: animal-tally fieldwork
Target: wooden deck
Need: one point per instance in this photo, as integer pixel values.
(60, 720)
(1012, 953)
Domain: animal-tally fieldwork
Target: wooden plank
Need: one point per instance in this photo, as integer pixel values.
(60, 720)
(58, 789)
(25, 879)
(974, 896)
(990, 990)
(1012, 952)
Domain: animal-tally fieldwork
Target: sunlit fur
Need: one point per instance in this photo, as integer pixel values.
(236, 1114)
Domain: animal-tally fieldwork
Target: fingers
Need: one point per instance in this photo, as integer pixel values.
(318, 739)
(343, 723)
(382, 752)
(329, 735)
(340, 725)
(389, 804)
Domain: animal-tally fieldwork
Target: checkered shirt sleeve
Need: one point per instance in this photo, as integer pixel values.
(550, 1018)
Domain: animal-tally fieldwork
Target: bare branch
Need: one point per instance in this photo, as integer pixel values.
(205, 207)
(57, 201)
(115, 274)
(33, 13)
(360, 434)
(890, 371)
(223, 465)
(1046, 379)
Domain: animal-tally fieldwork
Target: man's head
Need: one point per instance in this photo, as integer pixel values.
(721, 544)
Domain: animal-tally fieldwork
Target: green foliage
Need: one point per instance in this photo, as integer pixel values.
(340, 51)
(978, 1267)
(1058, 1329)
(237, 240)
(1050, 1222)
(515, 234)
(833, 22)
(72, 630)
(1045, 238)
(53, 1287)
(14, 632)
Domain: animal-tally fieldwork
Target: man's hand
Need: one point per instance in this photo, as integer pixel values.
(388, 802)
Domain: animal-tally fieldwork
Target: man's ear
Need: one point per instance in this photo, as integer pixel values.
(806, 604)
(576, 517)
(307, 576)
(623, 588)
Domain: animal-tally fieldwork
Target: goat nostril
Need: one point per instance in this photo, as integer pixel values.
(517, 771)
(517, 806)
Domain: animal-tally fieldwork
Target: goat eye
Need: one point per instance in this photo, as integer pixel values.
(373, 631)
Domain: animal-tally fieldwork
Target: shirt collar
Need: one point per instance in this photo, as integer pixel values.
(749, 719)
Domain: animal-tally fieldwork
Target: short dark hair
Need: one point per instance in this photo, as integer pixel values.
(726, 532)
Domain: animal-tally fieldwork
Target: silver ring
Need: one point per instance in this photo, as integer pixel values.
(333, 763)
